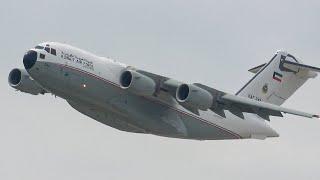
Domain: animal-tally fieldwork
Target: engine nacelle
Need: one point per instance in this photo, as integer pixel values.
(20, 80)
(194, 96)
(137, 83)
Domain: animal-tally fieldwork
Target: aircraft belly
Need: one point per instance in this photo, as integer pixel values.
(166, 120)
(106, 117)
(205, 131)
(153, 118)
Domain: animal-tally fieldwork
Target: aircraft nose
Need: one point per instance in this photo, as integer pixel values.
(29, 59)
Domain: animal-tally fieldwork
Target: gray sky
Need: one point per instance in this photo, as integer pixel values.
(208, 41)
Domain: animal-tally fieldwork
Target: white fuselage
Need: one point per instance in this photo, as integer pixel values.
(90, 84)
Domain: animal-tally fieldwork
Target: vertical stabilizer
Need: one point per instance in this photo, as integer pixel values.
(275, 81)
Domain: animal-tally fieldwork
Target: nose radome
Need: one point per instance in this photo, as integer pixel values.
(29, 59)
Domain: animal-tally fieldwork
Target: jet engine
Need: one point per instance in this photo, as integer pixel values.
(191, 95)
(137, 83)
(20, 80)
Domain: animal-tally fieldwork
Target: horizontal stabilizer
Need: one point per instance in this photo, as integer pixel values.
(294, 66)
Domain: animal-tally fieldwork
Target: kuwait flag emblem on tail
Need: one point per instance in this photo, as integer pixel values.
(277, 76)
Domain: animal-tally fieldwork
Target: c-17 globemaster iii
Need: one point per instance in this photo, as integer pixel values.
(133, 100)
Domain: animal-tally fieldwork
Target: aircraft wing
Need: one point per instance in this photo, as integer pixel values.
(222, 101)
(237, 105)
(258, 106)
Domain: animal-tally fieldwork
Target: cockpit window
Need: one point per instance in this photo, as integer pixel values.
(39, 47)
(47, 49)
(53, 52)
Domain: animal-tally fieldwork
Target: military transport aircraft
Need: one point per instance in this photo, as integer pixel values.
(133, 100)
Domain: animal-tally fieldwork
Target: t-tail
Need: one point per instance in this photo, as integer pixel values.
(274, 82)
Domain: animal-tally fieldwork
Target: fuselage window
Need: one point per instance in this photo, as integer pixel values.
(53, 52)
(47, 49)
(39, 47)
